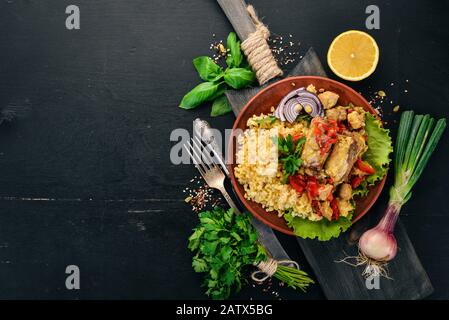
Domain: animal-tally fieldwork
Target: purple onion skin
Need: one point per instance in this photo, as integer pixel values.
(379, 242)
(285, 110)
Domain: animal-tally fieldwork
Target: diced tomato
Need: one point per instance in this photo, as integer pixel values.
(350, 110)
(356, 181)
(335, 210)
(365, 167)
(312, 187)
(298, 136)
(316, 207)
(297, 182)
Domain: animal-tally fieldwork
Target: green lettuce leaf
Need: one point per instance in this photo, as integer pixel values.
(324, 230)
(362, 190)
(379, 148)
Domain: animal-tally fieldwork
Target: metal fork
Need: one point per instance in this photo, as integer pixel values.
(211, 172)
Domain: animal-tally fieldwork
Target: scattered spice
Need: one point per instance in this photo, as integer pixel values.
(219, 52)
(285, 52)
(200, 195)
(381, 93)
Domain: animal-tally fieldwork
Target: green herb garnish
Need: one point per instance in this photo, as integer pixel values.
(304, 117)
(224, 245)
(290, 154)
(237, 75)
(266, 120)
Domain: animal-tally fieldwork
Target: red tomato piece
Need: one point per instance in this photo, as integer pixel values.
(335, 210)
(356, 181)
(365, 167)
(297, 183)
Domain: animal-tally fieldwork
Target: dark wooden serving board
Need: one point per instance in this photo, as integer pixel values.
(339, 280)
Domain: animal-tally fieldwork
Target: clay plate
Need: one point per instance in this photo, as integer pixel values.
(262, 103)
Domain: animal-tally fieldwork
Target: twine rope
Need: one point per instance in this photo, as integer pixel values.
(259, 54)
(269, 267)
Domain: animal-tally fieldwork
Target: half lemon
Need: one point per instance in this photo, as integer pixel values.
(353, 55)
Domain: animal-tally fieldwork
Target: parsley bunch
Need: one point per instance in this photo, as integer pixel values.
(290, 155)
(224, 244)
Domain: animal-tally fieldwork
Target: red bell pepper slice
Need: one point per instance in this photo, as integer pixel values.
(297, 183)
(365, 167)
(335, 210)
(356, 181)
(312, 187)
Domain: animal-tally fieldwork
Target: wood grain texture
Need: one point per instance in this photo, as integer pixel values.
(235, 11)
(103, 104)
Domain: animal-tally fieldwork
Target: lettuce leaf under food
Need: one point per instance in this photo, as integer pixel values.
(379, 148)
(361, 190)
(323, 230)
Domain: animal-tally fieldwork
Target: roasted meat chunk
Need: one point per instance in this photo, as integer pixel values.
(356, 120)
(314, 154)
(341, 159)
(348, 148)
(345, 192)
(328, 99)
(337, 114)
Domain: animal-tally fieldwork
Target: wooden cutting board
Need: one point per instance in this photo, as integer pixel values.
(339, 280)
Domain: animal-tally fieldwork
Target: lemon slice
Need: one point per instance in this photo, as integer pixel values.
(353, 55)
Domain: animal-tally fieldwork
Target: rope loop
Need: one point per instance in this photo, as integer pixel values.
(258, 53)
(269, 267)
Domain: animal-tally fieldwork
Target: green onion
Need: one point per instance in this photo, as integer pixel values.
(417, 138)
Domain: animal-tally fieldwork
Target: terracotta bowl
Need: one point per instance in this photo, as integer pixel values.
(262, 103)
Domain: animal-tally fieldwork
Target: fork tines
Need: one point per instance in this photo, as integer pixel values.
(197, 155)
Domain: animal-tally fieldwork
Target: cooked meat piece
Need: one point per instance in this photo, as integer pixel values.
(328, 99)
(311, 154)
(356, 120)
(337, 114)
(326, 210)
(311, 88)
(361, 143)
(344, 206)
(324, 191)
(347, 150)
(345, 192)
(340, 161)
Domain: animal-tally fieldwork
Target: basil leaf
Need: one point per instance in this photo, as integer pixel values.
(235, 56)
(238, 78)
(207, 69)
(220, 106)
(205, 91)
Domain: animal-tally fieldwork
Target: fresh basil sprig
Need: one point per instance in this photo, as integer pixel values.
(237, 75)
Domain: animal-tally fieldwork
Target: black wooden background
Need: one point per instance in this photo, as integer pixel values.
(86, 178)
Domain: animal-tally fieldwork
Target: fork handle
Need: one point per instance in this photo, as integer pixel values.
(229, 200)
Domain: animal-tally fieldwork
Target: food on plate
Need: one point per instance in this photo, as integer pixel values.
(353, 55)
(307, 168)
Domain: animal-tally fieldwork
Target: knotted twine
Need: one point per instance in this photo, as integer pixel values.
(269, 267)
(257, 51)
